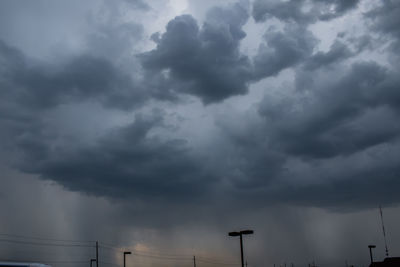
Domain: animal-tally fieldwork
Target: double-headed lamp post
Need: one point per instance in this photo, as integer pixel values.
(370, 252)
(126, 253)
(244, 232)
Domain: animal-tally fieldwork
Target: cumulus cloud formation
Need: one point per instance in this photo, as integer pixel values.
(283, 49)
(205, 61)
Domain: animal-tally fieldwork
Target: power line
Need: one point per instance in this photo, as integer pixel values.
(111, 247)
(23, 250)
(44, 244)
(46, 261)
(46, 239)
(172, 257)
(149, 254)
(211, 259)
(216, 263)
(91, 246)
(162, 257)
(110, 263)
(168, 256)
(67, 262)
(86, 244)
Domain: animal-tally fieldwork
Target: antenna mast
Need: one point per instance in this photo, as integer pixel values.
(384, 232)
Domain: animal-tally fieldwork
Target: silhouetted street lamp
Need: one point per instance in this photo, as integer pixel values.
(126, 253)
(244, 232)
(370, 252)
(92, 260)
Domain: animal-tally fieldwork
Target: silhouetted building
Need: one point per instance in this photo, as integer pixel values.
(387, 262)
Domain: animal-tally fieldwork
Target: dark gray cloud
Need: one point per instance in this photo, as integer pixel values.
(321, 125)
(126, 164)
(205, 61)
(333, 139)
(282, 49)
(343, 134)
(385, 19)
(38, 85)
(338, 51)
(294, 11)
(324, 119)
(133, 163)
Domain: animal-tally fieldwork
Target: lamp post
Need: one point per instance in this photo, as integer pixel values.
(240, 234)
(126, 253)
(370, 252)
(92, 260)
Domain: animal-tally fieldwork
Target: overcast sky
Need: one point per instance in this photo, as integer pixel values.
(162, 125)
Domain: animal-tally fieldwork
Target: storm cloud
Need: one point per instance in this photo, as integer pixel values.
(323, 117)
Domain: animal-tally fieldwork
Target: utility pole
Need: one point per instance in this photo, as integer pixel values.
(384, 232)
(241, 249)
(194, 261)
(97, 253)
(246, 263)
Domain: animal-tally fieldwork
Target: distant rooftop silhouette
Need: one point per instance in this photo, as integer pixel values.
(387, 262)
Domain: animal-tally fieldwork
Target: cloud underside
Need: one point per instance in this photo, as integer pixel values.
(330, 139)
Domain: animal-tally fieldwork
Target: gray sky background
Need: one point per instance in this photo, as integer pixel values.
(159, 126)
